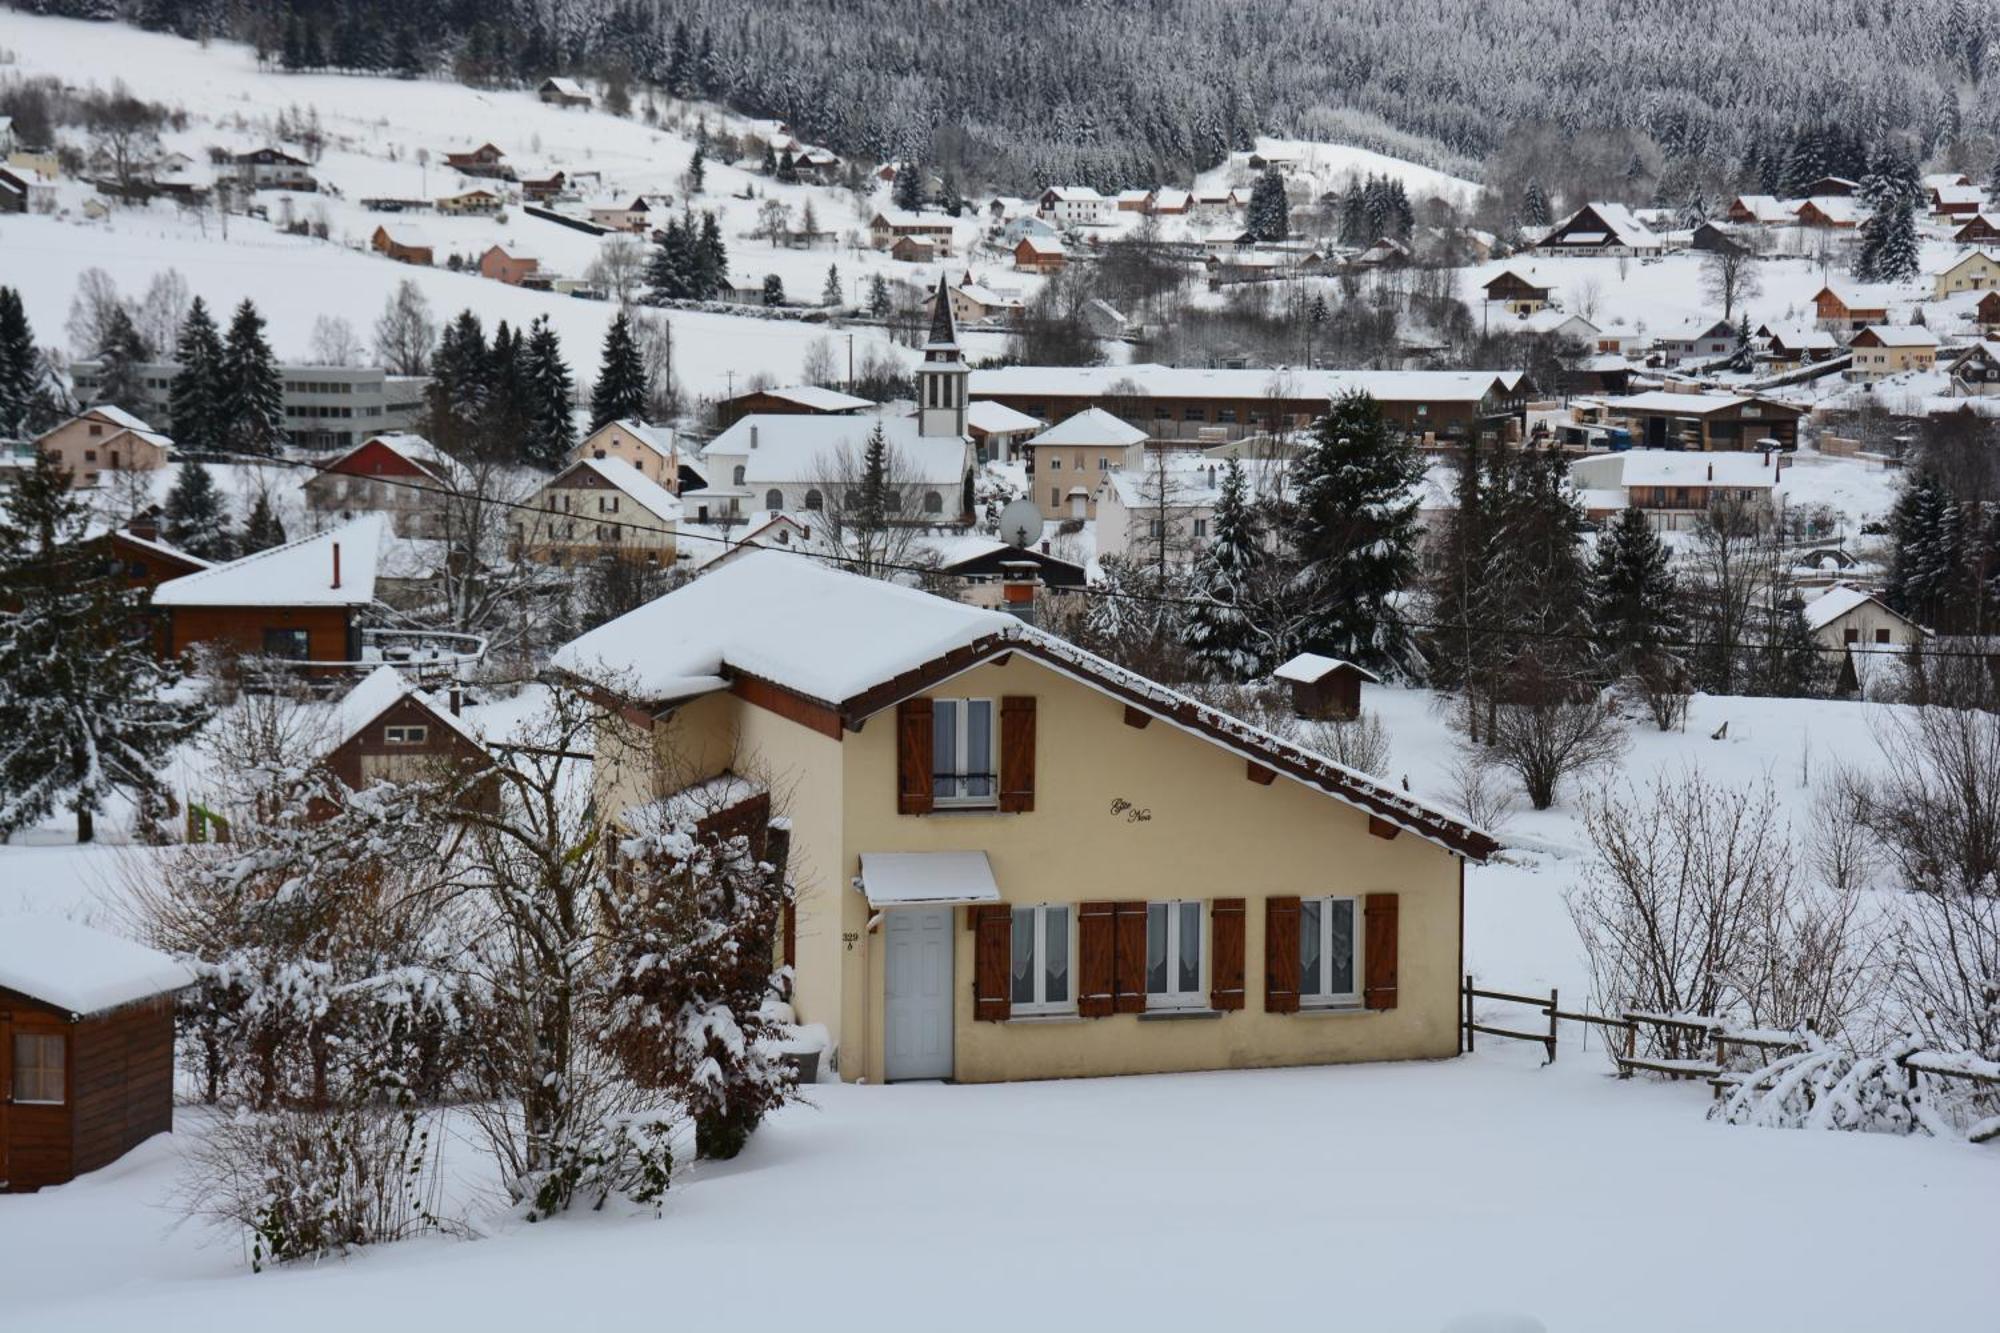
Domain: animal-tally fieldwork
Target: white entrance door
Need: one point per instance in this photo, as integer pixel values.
(1079, 506)
(916, 1008)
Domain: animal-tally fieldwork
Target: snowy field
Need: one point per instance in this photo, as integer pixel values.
(1385, 1198)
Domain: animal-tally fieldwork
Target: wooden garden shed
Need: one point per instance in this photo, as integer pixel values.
(1325, 688)
(86, 1049)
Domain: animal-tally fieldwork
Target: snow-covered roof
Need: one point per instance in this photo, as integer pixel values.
(1938, 180)
(566, 86)
(1675, 467)
(998, 419)
(1959, 194)
(81, 970)
(158, 547)
(1835, 207)
(1766, 207)
(401, 233)
(1093, 427)
(1678, 404)
(1157, 381)
(1970, 257)
(1862, 295)
(1836, 602)
(1310, 667)
(1695, 332)
(896, 217)
(1041, 245)
(833, 636)
(1802, 338)
(1556, 321)
(299, 573)
(900, 879)
(784, 448)
(660, 439)
(1073, 194)
(1900, 335)
(642, 489)
(1191, 481)
(378, 692)
(1624, 226)
(817, 398)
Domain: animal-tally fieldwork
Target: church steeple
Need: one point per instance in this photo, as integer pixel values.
(941, 379)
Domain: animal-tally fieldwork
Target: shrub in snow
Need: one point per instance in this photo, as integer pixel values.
(1828, 1087)
(629, 1155)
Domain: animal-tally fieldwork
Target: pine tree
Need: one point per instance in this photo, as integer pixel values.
(669, 273)
(878, 297)
(460, 379)
(122, 353)
(194, 518)
(1889, 250)
(254, 392)
(1634, 600)
(697, 173)
(871, 510)
(1269, 215)
(86, 708)
(262, 529)
(19, 366)
(907, 192)
(710, 271)
(774, 289)
(1926, 550)
(1223, 634)
(770, 161)
(1355, 535)
(830, 294)
(196, 399)
(621, 381)
(551, 424)
(1535, 211)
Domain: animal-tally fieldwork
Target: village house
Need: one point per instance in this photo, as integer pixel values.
(1974, 369)
(401, 476)
(1760, 210)
(1601, 229)
(511, 266)
(1675, 489)
(998, 431)
(1862, 633)
(1833, 212)
(912, 250)
(385, 729)
(789, 400)
(1881, 350)
(1553, 323)
(1667, 420)
(1039, 254)
(1957, 201)
(405, 245)
(965, 789)
(563, 92)
(635, 215)
(890, 225)
(1213, 406)
(15, 191)
(86, 1049)
(1982, 229)
(1169, 203)
(1701, 341)
(104, 439)
(980, 571)
(1834, 187)
(653, 450)
(1134, 201)
(1722, 238)
(1986, 314)
(1075, 206)
(472, 203)
(599, 508)
(1520, 296)
(1974, 271)
(976, 303)
(1164, 505)
(272, 169)
(1784, 345)
(299, 602)
(1069, 461)
(1849, 309)
(485, 161)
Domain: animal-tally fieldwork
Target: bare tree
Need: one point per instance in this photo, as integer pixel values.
(91, 311)
(334, 342)
(159, 313)
(875, 520)
(773, 221)
(819, 365)
(618, 268)
(406, 331)
(1548, 729)
(125, 131)
(1730, 276)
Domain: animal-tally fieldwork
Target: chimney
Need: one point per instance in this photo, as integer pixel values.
(336, 564)
(457, 699)
(1711, 472)
(753, 436)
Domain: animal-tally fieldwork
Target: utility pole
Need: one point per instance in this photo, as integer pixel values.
(850, 363)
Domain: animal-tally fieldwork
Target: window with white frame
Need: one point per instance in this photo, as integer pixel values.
(406, 734)
(962, 750)
(1039, 981)
(1330, 951)
(1173, 955)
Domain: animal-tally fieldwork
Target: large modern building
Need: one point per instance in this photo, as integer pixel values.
(326, 407)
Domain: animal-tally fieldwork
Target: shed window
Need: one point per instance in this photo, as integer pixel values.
(38, 1068)
(292, 644)
(407, 735)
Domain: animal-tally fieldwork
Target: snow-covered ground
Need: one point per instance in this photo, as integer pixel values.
(1388, 1198)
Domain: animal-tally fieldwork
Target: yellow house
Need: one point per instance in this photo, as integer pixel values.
(1977, 271)
(1881, 350)
(1016, 860)
(104, 439)
(654, 450)
(599, 507)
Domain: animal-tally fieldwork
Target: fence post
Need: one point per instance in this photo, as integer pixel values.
(1631, 1045)
(1553, 1006)
(1468, 1013)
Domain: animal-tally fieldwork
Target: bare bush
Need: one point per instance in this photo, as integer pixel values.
(1551, 736)
(1360, 743)
(1479, 791)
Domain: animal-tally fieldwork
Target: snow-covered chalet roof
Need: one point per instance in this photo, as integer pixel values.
(1676, 467)
(648, 494)
(1900, 335)
(1307, 668)
(81, 970)
(1836, 602)
(1091, 428)
(299, 573)
(378, 692)
(786, 449)
(1157, 381)
(998, 419)
(816, 398)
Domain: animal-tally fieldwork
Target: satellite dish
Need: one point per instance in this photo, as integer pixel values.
(1021, 522)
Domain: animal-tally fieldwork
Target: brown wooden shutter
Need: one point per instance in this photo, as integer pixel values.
(913, 757)
(1225, 947)
(1378, 946)
(1095, 950)
(992, 961)
(1281, 955)
(1129, 959)
(1017, 752)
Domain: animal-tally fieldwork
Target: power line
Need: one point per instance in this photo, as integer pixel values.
(1160, 599)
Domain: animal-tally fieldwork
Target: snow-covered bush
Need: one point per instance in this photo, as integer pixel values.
(1830, 1087)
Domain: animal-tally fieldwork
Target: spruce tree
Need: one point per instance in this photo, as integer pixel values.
(85, 707)
(668, 273)
(1634, 601)
(697, 173)
(551, 427)
(460, 381)
(262, 529)
(879, 304)
(829, 294)
(620, 391)
(1223, 632)
(19, 366)
(1924, 548)
(196, 400)
(1269, 215)
(1355, 535)
(508, 409)
(194, 518)
(907, 192)
(122, 352)
(254, 401)
(709, 273)
(1535, 210)
(774, 289)
(1889, 251)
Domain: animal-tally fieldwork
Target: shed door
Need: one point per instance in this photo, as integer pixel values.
(916, 985)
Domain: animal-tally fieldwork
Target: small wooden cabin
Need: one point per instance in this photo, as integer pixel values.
(1325, 688)
(388, 731)
(300, 601)
(86, 1049)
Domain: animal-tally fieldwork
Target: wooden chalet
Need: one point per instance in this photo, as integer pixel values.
(791, 400)
(1980, 229)
(1851, 309)
(1987, 313)
(1601, 229)
(299, 602)
(405, 245)
(402, 475)
(1706, 421)
(563, 92)
(1834, 212)
(1520, 296)
(1325, 688)
(387, 730)
(86, 1049)
(1834, 187)
(485, 161)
